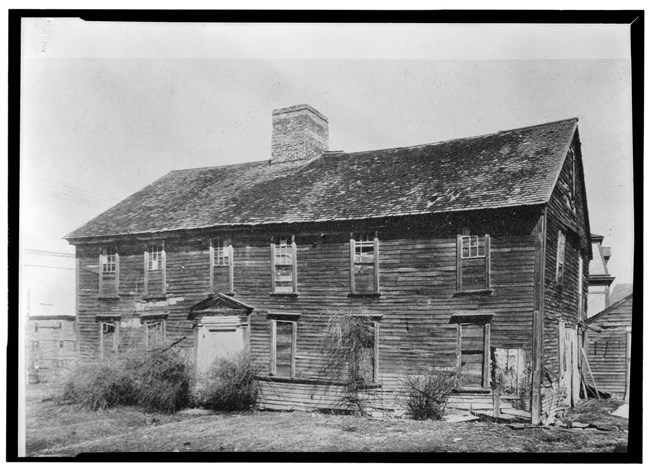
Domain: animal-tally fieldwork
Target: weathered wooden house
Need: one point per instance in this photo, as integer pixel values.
(472, 253)
(609, 347)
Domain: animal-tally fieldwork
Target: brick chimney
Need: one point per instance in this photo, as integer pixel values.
(300, 133)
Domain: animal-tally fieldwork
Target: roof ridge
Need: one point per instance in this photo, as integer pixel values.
(218, 166)
(480, 136)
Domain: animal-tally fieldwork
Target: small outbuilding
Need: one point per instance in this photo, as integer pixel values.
(609, 343)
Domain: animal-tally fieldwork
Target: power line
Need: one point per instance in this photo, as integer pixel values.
(49, 253)
(52, 267)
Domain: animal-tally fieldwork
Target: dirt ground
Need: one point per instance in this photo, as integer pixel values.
(64, 430)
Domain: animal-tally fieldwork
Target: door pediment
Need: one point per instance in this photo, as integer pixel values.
(219, 304)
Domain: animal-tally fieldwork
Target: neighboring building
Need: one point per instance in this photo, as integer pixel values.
(51, 345)
(609, 343)
(471, 253)
(619, 292)
(599, 278)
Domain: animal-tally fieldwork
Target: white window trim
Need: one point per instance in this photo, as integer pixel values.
(284, 254)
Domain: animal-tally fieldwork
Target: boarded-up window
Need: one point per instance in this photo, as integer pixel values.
(364, 264)
(283, 348)
(221, 266)
(473, 355)
(284, 269)
(473, 260)
(364, 366)
(561, 248)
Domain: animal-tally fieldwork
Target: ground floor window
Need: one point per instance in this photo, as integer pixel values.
(109, 338)
(155, 333)
(473, 348)
(283, 348)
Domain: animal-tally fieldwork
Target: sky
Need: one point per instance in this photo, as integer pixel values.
(108, 108)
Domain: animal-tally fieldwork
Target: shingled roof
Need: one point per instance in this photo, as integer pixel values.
(510, 168)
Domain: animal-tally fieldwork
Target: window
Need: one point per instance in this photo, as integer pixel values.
(284, 271)
(155, 333)
(364, 264)
(473, 259)
(364, 367)
(109, 272)
(36, 326)
(155, 257)
(155, 270)
(109, 260)
(221, 266)
(283, 348)
(108, 337)
(561, 248)
(473, 355)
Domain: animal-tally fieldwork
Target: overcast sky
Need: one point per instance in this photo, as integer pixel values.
(108, 108)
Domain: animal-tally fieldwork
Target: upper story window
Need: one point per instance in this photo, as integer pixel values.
(364, 264)
(473, 260)
(109, 272)
(155, 257)
(284, 273)
(109, 260)
(155, 270)
(561, 249)
(221, 266)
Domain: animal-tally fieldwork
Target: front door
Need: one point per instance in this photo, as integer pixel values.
(219, 337)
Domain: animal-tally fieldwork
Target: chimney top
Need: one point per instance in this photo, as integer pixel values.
(300, 133)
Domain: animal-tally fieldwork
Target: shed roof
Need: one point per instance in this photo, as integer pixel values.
(510, 168)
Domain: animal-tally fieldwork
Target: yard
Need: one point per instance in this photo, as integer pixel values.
(64, 430)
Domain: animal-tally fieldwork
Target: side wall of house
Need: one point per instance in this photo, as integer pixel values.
(562, 299)
(607, 348)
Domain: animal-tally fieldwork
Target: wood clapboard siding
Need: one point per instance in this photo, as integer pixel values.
(607, 346)
(417, 277)
(561, 300)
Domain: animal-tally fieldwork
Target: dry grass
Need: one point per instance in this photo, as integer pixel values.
(64, 430)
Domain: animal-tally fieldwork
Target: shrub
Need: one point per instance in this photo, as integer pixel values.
(156, 381)
(427, 392)
(230, 385)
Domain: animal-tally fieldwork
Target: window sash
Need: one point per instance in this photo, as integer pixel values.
(561, 250)
(364, 256)
(284, 269)
(222, 253)
(109, 260)
(471, 249)
(473, 246)
(155, 258)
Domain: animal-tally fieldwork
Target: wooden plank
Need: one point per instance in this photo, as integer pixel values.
(272, 348)
(487, 261)
(486, 358)
(538, 319)
(211, 260)
(163, 260)
(459, 262)
(352, 284)
(273, 261)
(628, 358)
(294, 336)
(146, 272)
(376, 263)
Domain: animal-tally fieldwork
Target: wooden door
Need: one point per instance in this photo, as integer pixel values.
(568, 358)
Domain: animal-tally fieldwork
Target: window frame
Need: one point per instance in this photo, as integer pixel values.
(357, 260)
(163, 267)
(374, 321)
(220, 249)
(115, 324)
(154, 257)
(148, 324)
(560, 261)
(284, 252)
(487, 245)
(273, 346)
(109, 256)
(485, 382)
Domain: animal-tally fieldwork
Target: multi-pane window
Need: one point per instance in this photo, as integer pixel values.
(364, 264)
(473, 262)
(109, 260)
(561, 249)
(285, 269)
(155, 269)
(221, 266)
(109, 272)
(155, 257)
(283, 348)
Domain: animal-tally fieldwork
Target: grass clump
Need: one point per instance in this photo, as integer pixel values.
(230, 385)
(156, 381)
(427, 392)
